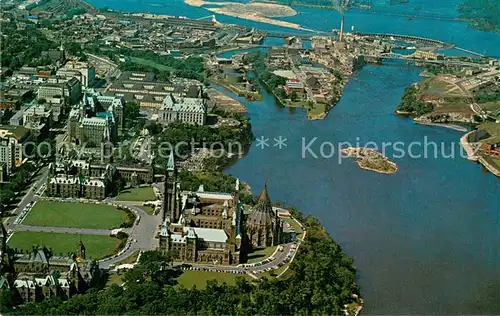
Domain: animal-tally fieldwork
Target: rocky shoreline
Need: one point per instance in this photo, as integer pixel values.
(370, 159)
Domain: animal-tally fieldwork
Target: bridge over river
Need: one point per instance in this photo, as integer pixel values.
(390, 36)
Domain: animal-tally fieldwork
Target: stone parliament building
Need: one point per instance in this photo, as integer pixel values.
(211, 227)
(39, 274)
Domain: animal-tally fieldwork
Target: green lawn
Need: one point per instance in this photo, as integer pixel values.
(260, 254)
(137, 194)
(150, 63)
(77, 215)
(317, 109)
(496, 162)
(148, 209)
(190, 278)
(295, 226)
(492, 128)
(274, 273)
(130, 259)
(96, 246)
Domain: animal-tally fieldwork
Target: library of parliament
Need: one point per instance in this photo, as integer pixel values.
(212, 227)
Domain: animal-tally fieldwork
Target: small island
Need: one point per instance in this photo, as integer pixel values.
(370, 159)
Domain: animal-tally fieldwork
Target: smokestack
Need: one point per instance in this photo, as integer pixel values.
(341, 29)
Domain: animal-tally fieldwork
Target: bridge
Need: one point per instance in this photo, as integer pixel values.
(412, 57)
(406, 38)
(301, 36)
(391, 36)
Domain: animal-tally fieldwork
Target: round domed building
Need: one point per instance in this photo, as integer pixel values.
(263, 225)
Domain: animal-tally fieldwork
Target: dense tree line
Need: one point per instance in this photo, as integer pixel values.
(483, 14)
(258, 62)
(23, 46)
(180, 136)
(191, 67)
(412, 104)
(321, 281)
(17, 183)
(489, 95)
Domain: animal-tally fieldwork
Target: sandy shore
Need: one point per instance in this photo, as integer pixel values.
(255, 11)
(467, 146)
(446, 125)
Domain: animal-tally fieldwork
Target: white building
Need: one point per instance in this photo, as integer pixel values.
(80, 70)
(187, 110)
(7, 153)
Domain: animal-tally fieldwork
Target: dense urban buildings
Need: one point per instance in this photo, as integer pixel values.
(97, 119)
(95, 181)
(144, 89)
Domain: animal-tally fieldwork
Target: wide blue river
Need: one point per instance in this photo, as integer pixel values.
(426, 240)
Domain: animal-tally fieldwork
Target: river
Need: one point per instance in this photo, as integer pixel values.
(426, 239)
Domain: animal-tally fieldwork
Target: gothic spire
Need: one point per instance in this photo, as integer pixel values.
(264, 196)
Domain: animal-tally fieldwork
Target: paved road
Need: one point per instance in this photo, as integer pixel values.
(142, 237)
(27, 198)
(83, 231)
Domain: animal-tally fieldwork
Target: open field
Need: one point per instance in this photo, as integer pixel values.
(490, 106)
(274, 273)
(75, 215)
(96, 246)
(137, 194)
(260, 254)
(191, 278)
(130, 259)
(148, 209)
(492, 128)
(496, 162)
(295, 226)
(318, 111)
(150, 63)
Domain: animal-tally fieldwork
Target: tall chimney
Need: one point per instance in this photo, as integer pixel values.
(341, 29)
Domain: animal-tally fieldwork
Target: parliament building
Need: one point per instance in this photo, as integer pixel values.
(211, 227)
(40, 274)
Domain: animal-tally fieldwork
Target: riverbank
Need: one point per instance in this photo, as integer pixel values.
(254, 11)
(472, 153)
(370, 159)
(445, 125)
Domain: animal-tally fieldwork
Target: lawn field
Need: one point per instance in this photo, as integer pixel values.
(96, 246)
(75, 215)
(148, 209)
(295, 226)
(190, 278)
(150, 63)
(261, 254)
(137, 194)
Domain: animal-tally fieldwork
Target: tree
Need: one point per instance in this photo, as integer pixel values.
(132, 110)
(293, 96)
